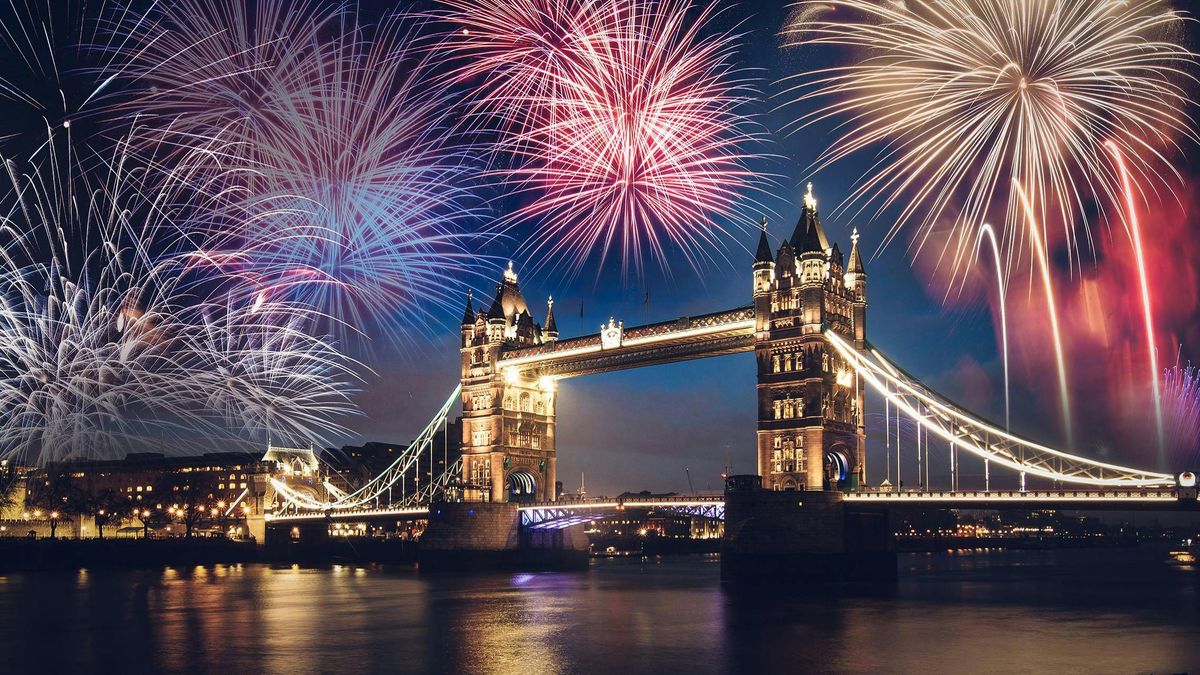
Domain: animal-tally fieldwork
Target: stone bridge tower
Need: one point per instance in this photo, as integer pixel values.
(810, 404)
(508, 421)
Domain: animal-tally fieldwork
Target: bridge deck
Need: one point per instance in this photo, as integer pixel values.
(1106, 499)
(684, 338)
(1113, 499)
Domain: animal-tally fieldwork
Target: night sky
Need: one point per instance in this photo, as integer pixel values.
(640, 429)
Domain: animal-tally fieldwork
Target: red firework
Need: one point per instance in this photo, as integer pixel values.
(624, 120)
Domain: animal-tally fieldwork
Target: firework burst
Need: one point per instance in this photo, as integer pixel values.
(1181, 411)
(345, 137)
(513, 52)
(624, 120)
(108, 342)
(964, 99)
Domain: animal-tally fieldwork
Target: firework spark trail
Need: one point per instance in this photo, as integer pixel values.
(109, 344)
(1181, 402)
(513, 52)
(1135, 234)
(625, 125)
(346, 138)
(967, 98)
(56, 66)
(1043, 265)
(986, 232)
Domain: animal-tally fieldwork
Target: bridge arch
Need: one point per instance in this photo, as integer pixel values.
(838, 465)
(521, 486)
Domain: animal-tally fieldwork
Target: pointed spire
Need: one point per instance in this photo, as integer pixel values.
(469, 312)
(856, 264)
(808, 235)
(812, 237)
(764, 248)
(497, 309)
(551, 326)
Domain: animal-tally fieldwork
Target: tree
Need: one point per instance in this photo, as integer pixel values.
(8, 486)
(193, 504)
(57, 495)
(106, 509)
(152, 516)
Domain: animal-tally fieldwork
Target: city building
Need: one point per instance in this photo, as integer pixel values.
(142, 494)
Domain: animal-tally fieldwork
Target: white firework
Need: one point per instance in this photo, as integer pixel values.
(113, 339)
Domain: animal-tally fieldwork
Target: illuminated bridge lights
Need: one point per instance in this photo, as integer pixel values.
(371, 492)
(961, 429)
(1031, 496)
(350, 514)
(561, 515)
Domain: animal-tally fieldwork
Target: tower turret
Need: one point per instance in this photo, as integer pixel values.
(495, 316)
(813, 257)
(856, 283)
(468, 322)
(469, 313)
(764, 264)
(810, 430)
(550, 332)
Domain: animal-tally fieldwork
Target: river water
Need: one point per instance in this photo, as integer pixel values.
(1087, 611)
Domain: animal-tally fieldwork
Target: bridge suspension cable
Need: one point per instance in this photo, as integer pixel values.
(963, 430)
(377, 486)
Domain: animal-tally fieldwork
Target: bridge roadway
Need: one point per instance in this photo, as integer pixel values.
(557, 515)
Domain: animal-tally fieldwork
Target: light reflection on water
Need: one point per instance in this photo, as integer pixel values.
(1063, 611)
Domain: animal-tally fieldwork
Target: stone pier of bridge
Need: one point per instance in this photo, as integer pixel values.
(805, 537)
(488, 535)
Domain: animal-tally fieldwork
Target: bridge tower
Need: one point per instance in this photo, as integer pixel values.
(810, 404)
(508, 420)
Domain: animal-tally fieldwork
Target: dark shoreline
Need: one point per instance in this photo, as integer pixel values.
(24, 555)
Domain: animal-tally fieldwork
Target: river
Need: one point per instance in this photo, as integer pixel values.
(1087, 611)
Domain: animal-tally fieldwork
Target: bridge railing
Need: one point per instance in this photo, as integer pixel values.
(1125, 494)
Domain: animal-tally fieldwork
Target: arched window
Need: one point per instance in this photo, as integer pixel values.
(526, 403)
(775, 363)
(778, 409)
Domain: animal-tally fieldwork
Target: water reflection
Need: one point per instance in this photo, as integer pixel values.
(1114, 610)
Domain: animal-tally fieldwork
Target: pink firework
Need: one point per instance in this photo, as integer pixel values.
(1181, 410)
(624, 121)
(513, 52)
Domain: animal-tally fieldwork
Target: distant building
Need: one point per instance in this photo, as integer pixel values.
(655, 522)
(207, 493)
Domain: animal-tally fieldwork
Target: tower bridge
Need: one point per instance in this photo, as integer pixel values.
(810, 422)
(807, 328)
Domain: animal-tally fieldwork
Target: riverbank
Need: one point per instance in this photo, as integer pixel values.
(68, 554)
(20, 554)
